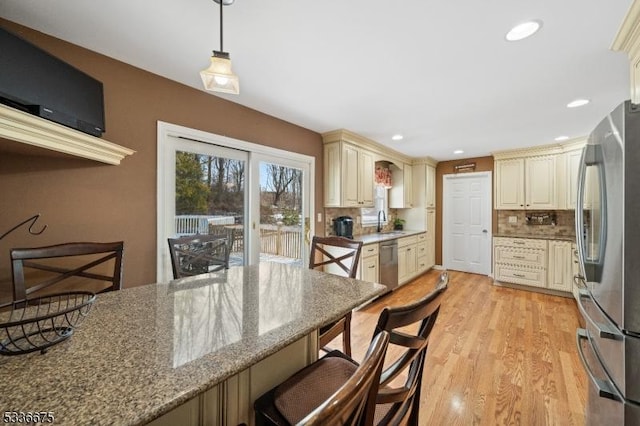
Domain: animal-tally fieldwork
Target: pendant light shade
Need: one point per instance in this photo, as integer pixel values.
(219, 77)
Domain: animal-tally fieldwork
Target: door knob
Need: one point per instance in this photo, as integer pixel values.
(484, 231)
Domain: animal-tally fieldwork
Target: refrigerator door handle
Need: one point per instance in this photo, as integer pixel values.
(604, 388)
(605, 331)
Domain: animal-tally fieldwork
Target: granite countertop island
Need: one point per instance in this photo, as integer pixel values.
(146, 350)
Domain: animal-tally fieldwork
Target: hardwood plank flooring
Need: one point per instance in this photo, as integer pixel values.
(498, 356)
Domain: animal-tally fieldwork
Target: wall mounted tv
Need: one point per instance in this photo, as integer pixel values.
(34, 81)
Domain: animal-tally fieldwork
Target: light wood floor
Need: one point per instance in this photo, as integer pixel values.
(497, 356)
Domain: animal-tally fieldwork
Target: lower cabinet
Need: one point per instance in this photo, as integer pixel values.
(533, 262)
(560, 266)
(369, 264)
(520, 261)
(413, 257)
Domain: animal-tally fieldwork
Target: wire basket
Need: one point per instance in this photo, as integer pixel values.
(37, 324)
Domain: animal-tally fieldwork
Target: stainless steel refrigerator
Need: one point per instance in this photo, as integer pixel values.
(608, 238)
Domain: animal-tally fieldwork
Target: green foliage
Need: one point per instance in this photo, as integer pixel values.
(191, 190)
(290, 217)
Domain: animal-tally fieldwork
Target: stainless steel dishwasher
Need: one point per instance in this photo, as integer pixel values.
(389, 263)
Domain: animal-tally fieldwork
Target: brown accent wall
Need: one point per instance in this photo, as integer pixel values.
(84, 200)
(483, 164)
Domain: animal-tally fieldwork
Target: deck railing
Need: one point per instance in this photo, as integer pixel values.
(279, 240)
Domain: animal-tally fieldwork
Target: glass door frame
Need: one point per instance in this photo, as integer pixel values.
(168, 134)
(255, 160)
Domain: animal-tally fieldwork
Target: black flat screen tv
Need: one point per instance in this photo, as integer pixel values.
(34, 81)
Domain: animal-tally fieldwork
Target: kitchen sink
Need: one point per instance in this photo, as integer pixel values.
(392, 233)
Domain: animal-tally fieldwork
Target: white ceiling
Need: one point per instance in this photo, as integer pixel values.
(439, 72)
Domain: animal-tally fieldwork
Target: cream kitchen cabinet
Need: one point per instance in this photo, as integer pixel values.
(369, 264)
(526, 183)
(422, 254)
(628, 40)
(534, 262)
(572, 161)
(520, 261)
(407, 258)
(560, 266)
(401, 193)
(431, 238)
(348, 175)
(431, 186)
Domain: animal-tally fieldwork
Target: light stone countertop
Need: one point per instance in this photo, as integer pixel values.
(385, 236)
(539, 237)
(145, 350)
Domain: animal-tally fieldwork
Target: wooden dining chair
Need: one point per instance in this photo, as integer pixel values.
(336, 255)
(80, 265)
(349, 400)
(198, 254)
(405, 357)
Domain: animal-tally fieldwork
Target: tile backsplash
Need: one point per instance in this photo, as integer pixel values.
(358, 229)
(564, 223)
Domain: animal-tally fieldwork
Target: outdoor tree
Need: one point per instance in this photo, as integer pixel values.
(191, 189)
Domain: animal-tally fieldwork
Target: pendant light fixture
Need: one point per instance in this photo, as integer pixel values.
(219, 77)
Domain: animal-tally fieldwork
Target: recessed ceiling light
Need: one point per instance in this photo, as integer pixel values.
(562, 138)
(458, 151)
(397, 137)
(524, 30)
(577, 103)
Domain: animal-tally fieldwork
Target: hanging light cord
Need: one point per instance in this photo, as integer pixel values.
(221, 4)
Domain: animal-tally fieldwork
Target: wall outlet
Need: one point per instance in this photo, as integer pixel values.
(513, 219)
(319, 217)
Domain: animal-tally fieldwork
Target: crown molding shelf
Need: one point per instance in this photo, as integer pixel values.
(28, 129)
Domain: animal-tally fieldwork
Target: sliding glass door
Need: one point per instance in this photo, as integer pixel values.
(257, 197)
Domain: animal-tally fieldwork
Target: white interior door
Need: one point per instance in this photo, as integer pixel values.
(466, 237)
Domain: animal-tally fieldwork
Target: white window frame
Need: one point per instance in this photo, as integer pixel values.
(369, 215)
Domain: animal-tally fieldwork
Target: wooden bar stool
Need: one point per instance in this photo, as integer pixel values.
(342, 254)
(395, 405)
(350, 400)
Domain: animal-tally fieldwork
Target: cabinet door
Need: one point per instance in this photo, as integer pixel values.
(431, 186)
(431, 239)
(350, 175)
(332, 173)
(509, 186)
(412, 260)
(540, 179)
(366, 177)
(408, 186)
(370, 266)
(560, 264)
(403, 273)
(573, 164)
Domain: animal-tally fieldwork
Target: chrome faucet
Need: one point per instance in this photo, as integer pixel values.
(384, 217)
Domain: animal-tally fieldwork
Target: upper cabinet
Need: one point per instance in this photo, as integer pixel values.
(526, 183)
(628, 40)
(430, 187)
(540, 183)
(509, 184)
(348, 175)
(543, 178)
(401, 194)
(349, 171)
